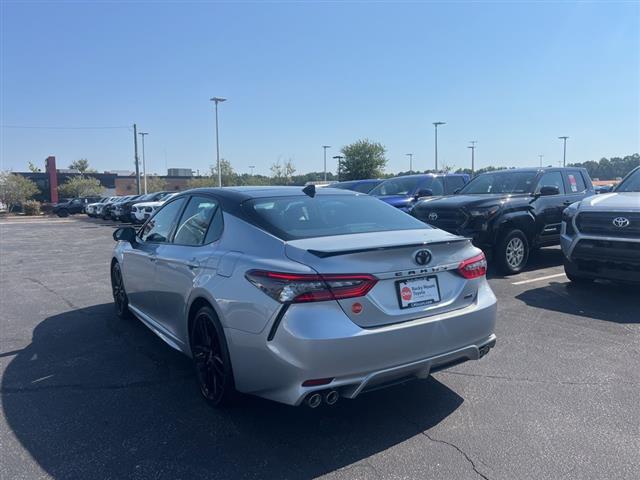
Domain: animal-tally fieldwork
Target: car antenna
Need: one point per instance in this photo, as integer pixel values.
(310, 190)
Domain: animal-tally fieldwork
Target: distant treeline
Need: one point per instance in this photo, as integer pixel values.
(610, 168)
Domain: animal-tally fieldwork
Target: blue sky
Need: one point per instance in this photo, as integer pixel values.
(513, 76)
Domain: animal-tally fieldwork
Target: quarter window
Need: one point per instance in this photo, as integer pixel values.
(158, 228)
(195, 221)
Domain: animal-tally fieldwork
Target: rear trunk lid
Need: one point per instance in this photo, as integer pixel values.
(391, 258)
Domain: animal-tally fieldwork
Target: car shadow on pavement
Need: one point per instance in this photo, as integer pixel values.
(600, 300)
(94, 397)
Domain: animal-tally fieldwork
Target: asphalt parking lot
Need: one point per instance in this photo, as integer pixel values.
(88, 396)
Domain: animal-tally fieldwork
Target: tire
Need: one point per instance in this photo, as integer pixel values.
(569, 271)
(211, 359)
(512, 252)
(120, 299)
(63, 212)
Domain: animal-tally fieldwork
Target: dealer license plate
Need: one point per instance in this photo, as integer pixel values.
(417, 292)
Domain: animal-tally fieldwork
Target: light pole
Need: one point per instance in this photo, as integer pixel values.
(218, 100)
(252, 167)
(144, 165)
(410, 155)
(540, 157)
(564, 155)
(325, 160)
(473, 155)
(339, 158)
(436, 124)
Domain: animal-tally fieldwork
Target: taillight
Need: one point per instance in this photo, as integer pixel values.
(299, 288)
(473, 267)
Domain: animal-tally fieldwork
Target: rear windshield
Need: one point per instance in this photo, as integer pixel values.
(291, 218)
(501, 182)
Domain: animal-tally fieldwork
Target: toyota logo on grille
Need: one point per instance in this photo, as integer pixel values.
(422, 257)
(433, 216)
(620, 222)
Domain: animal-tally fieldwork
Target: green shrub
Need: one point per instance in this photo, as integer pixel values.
(31, 207)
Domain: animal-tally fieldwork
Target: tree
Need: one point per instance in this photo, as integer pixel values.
(229, 177)
(80, 186)
(81, 165)
(362, 159)
(34, 168)
(610, 168)
(282, 173)
(155, 184)
(16, 189)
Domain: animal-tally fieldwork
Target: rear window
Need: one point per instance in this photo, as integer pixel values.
(398, 186)
(291, 218)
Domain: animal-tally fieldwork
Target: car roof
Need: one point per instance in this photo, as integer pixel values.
(240, 194)
(533, 169)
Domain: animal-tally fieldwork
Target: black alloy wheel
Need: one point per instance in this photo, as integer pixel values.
(120, 299)
(211, 359)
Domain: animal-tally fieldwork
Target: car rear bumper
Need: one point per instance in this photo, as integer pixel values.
(317, 341)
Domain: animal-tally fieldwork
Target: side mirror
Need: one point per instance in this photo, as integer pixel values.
(126, 234)
(427, 192)
(549, 190)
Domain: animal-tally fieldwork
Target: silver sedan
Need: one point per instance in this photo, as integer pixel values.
(303, 296)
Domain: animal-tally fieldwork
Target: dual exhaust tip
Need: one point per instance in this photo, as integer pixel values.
(330, 397)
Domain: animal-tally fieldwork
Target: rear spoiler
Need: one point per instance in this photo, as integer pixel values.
(336, 253)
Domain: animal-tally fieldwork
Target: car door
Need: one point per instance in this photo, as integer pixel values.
(549, 208)
(189, 255)
(139, 262)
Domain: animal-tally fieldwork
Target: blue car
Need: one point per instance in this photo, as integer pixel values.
(404, 192)
(362, 186)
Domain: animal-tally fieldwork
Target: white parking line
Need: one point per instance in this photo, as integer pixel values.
(522, 282)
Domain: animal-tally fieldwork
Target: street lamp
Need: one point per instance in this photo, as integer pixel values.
(218, 100)
(325, 160)
(339, 158)
(564, 155)
(436, 124)
(252, 167)
(144, 165)
(473, 156)
(410, 155)
(540, 157)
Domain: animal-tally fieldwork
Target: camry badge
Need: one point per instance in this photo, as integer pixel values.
(620, 222)
(433, 216)
(422, 257)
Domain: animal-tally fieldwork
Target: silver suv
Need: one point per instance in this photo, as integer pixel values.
(302, 295)
(600, 235)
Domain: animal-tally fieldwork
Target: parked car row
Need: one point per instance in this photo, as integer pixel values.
(125, 208)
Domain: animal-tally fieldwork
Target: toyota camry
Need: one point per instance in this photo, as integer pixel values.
(303, 295)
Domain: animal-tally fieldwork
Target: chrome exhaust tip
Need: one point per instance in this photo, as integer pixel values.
(314, 400)
(331, 397)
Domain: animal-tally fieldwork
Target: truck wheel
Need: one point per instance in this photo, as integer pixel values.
(63, 212)
(512, 252)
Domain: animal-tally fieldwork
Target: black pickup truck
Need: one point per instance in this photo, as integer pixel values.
(509, 212)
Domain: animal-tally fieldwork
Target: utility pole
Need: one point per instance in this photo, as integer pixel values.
(564, 155)
(218, 100)
(339, 158)
(473, 156)
(410, 155)
(436, 124)
(540, 157)
(252, 167)
(325, 160)
(135, 156)
(144, 165)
